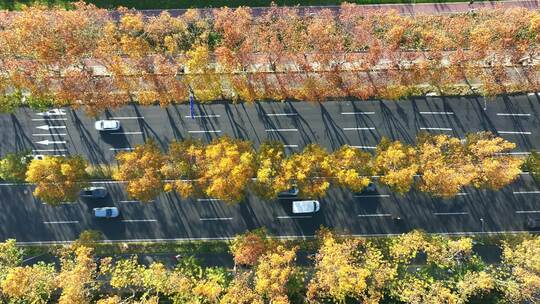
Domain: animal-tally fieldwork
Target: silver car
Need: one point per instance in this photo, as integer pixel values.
(107, 125)
(106, 212)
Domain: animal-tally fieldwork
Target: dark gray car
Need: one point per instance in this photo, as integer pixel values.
(94, 192)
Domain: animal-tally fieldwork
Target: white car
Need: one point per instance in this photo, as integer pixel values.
(107, 125)
(106, 212)
(305, 207)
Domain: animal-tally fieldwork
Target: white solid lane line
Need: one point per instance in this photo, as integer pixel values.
(203, 116)
(62, 222)
(514, 132)
(372, 195)
(365, 147)
(528, 211)
(357, 113)
(281, 130)
(526, 192)
(205, 131)
(359, 129)
(126, 133)
(50, 134)
(290, 146)
(281, 114)
(437, 113)
(294, 217)
(513, 153)
(513, 114)
(48, 150)
(121, 149)
(45, 119)
(216, 218)
(139, 221)
(450, 213)
(128, 117)
(436, 129)
(375, 215)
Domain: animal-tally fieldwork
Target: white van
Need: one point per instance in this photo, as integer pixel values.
(305, 206)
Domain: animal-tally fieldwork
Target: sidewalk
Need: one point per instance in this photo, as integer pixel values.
(403, 9)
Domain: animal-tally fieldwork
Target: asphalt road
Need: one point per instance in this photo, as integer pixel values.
(331, 124)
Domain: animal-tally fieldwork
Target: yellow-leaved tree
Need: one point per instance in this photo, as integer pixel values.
(29, 284)
(309, 170)
(182, 166)
(494, 168)
(58, 179)
(273, 273)
(351, 168)
(141, 168)
(348, 269)
(521, 271)
(444, 165)
(396, 163)
(226, 169)
(269, 162)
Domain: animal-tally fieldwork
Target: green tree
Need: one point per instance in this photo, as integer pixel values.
(532, 164)
(10, 256)
(58, 179)
(13, 167)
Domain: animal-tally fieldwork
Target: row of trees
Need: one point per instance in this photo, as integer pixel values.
(226, 168)
(87, 57)
(413, 268)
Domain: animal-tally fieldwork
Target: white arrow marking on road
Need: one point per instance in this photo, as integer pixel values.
(48, 142)
(53, 112)
(46, 127)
